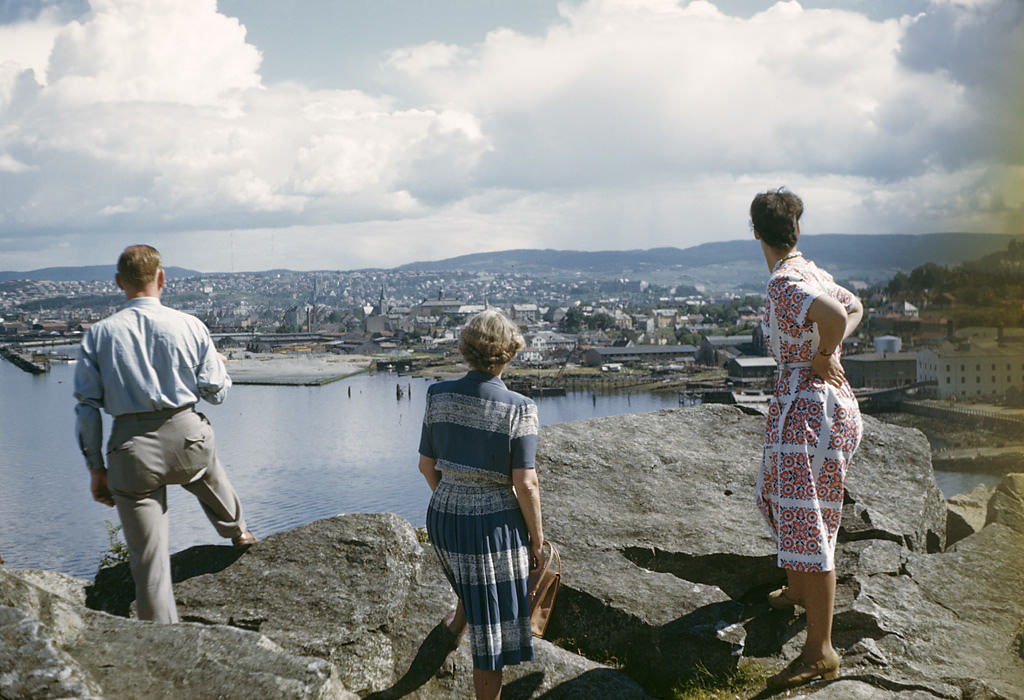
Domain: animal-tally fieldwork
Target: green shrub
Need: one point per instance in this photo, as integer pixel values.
(117, 551)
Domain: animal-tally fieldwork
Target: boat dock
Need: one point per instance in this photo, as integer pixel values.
(37, 364)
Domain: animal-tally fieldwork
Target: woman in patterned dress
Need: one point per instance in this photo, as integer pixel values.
(477, 453)
(813, 428)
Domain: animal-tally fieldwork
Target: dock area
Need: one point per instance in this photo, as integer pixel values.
(36, 364)
(276, 370)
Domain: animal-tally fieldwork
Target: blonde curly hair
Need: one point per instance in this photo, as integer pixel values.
(490, 341)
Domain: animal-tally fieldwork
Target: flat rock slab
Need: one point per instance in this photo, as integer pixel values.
(661, 542)
(1007, 503)
(363, 593)
(51, 647)
(966, 512)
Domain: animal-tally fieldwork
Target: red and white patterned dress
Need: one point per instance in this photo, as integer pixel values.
(813, 428)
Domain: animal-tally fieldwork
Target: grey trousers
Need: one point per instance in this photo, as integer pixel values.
(146, 453)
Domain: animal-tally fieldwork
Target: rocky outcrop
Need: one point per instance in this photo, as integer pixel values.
(966, 513)
(1007, 503)
(665, 566)
(662, 548)
(52, 647)
(361, 594)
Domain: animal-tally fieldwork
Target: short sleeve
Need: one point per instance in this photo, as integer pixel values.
(427, 433)
(525, 426)
(791, 298)
(843, 295)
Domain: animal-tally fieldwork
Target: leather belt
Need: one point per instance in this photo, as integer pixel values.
(162, 414)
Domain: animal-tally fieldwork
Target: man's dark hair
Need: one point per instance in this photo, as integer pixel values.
(774, 215)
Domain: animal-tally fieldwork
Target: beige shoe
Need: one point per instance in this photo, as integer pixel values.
(244, 540)
(798, 672)
(779, 599)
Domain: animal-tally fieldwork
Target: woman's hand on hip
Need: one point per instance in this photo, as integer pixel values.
(828, 368)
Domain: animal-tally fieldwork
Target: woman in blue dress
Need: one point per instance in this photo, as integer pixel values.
(477, 453)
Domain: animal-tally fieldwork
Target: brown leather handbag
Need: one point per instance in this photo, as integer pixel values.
(542, 587)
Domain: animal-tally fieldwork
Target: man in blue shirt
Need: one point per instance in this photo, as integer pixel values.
(148, 365)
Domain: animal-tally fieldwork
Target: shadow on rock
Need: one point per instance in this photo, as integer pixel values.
(586, 686)
(113, 591)
(428, 660)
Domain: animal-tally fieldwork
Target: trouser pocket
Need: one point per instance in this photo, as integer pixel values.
(134, 465)
(195, 448)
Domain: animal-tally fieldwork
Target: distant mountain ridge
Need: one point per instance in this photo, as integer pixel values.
(869, 257)
(901, 251)
(88, 273)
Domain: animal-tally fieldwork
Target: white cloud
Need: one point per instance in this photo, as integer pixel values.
(417, 60)
(628, 123)
(28, 43)
(154, 114)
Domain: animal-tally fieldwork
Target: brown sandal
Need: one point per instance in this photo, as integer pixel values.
(798, 672)
(779, 599)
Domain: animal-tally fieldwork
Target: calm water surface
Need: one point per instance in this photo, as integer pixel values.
(294, 454)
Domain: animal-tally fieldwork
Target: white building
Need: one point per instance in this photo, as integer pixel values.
(972, 370)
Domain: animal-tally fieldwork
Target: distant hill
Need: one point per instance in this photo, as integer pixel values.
(90, 273)
(868, 257)
(720, 266)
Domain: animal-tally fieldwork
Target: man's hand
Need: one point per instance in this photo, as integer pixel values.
(100, 492)
(223, 357)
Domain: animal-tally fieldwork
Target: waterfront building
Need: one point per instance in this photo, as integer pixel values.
(881, 370)
(595, 357)
(716, 350)
(751, 367)
(972, 370)
(547, 343)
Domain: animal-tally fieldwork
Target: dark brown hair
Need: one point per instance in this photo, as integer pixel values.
(774, 215)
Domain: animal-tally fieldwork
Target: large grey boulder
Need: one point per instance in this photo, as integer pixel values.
(1007, 503)
(52, 647)
(33, 665)
(947, 624)
(966, 513)
(662, 545)
(361, 592)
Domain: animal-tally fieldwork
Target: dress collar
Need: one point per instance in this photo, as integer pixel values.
(794, 254)
(484, 377)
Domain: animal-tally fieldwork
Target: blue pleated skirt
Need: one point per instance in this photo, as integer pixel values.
(480, 537)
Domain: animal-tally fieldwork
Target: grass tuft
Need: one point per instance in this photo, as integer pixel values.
(745, 682)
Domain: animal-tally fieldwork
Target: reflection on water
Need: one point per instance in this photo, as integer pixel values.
(294, 454)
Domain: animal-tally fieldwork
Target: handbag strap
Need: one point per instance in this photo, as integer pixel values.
(552, 557)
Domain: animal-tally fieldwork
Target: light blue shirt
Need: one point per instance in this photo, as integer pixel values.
(146, 357)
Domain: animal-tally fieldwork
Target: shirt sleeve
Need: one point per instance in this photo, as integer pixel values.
(524, 437)
(89, 394)
(791, 298)
(426, 434)
(212, 377)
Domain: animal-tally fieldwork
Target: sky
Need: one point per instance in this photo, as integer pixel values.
(258, 134)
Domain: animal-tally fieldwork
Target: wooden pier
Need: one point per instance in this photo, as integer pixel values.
(39, 364)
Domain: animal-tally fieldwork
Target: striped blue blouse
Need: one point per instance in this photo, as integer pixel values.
(475, 428)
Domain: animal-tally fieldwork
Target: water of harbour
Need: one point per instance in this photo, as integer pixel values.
(294, 454)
